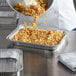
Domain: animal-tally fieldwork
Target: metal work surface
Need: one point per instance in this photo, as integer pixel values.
(39, 62)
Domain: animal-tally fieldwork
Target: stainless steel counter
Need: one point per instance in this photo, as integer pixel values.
(41, 62)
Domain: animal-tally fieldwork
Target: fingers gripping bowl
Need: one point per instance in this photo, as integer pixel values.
(37, 38)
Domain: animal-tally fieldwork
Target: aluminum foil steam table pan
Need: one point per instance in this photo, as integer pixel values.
(32, 45)
(11, 60)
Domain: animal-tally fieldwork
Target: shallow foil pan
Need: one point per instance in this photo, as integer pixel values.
(32, 45)
(11, 60)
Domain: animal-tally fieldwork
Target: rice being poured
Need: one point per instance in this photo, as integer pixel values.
(35, 8)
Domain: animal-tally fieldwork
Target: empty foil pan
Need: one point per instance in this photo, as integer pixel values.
(11, 60)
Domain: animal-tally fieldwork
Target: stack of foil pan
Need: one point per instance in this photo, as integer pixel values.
(3, 3)
(8, 18)
(11, 60)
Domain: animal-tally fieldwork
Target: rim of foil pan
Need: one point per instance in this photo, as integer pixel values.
(11, 60)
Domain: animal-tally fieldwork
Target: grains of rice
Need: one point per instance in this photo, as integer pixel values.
(38, 36)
